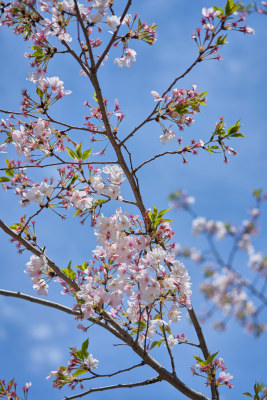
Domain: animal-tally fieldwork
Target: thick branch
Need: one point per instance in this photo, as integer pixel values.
(204, 349)
(150, 361)
(60, 307)
(38, 253)
(43, 302)
(202, 342)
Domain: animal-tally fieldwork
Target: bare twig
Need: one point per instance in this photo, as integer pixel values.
(119, 386)
(157, 156)
(112, 374)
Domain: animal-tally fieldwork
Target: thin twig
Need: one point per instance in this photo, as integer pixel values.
(119, 386)
(167, 343)
(155, 157)
(141, 364)
(59, 163)
(50, 119)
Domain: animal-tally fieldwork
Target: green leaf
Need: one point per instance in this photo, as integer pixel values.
(150, 215)
(257, 192)
(71, 274)
(77, 212)
(85, 346)
(233, 129)
(78, 150)
(78, 354)
(201, 95)
(219, 9)
(10, 384)
(95, 98)
(39, 92)
(209, 150)
(10, 172)
(15, 226)
(237, 135)
(83, 266)
(211, 357)
(235, 7)
(101, 201)
(73, 179)
(71, 153)
(228, 7)
(247, 394)
(156, 343)
(181, 109)
(8, 163)
(80, 372)
(221, 40)
(86, 154)
(163, 212)
(4, 179)
(198, 359)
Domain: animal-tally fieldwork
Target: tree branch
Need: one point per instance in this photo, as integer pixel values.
(204, 349)
(60, 307)
(39, 253)
(157, 156)
(47, 303)
(119, 386)
(141, 364)
(113, 38)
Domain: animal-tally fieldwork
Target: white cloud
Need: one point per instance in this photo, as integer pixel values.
(41, 331)
(45, 356)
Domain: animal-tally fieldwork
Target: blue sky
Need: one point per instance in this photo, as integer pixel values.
(35, 340)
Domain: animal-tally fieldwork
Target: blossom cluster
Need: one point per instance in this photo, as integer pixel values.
(36, 268)
(134, 273)
(9, 390)
(28, 138)
(80, 362)
(27, 20)
(224, 284)
(32, 140)
(177, 108)
(215, 21)
(209, 368)
(224, 290)
(36, 193)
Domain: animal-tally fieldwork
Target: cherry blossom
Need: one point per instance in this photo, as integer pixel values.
(113, 22)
